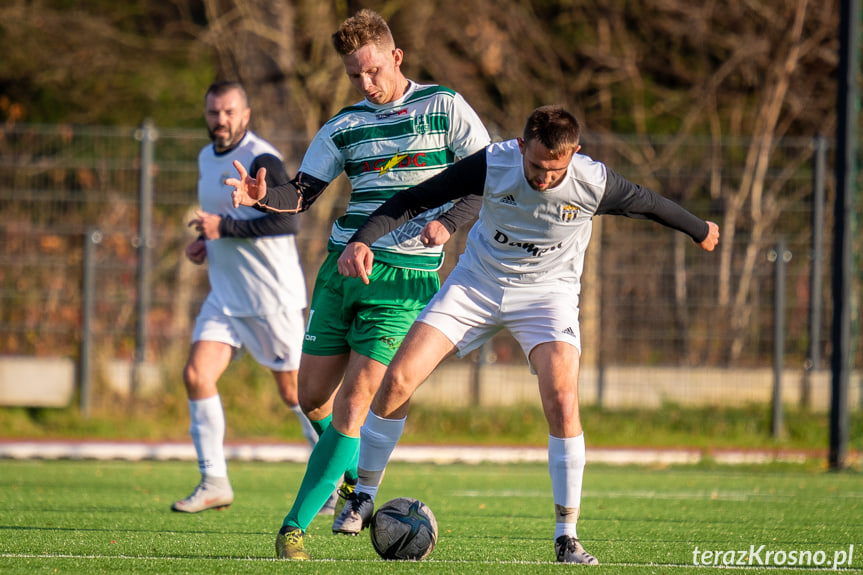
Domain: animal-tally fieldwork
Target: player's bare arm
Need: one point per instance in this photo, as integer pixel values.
(712, 239)
(356, 261)
(248, 191)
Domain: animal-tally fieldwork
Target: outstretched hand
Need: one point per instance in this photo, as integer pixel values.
(356, 261)
(712, 239)
(248, 191)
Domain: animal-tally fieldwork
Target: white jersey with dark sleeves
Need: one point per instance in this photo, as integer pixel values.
(524, 236)
(248, 276)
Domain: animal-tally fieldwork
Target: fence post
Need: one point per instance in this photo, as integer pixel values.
(600, 348)
(779, 256)
(847, 102)
(813, 362)
(147, 134)
(92, 238)
(476, 379)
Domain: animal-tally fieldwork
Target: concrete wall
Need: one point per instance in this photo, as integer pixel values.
(625, 387)
(50, 382)
(36, 381)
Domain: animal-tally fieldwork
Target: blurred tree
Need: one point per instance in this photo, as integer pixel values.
(102, 62)
(644, 66)
(660, 71)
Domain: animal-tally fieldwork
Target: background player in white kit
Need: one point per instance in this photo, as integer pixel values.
(257, 295)
(521, 270)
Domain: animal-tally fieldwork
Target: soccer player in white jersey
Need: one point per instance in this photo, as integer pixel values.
(521, 270)
(400, 134)
(257, 290)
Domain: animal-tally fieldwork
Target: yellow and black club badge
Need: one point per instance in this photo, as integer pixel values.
(568, 213)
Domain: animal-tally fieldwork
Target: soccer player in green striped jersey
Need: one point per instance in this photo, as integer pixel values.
(399, 135)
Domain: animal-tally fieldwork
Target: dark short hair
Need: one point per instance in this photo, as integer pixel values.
(364, 27)
(222, 87)
(554, 128)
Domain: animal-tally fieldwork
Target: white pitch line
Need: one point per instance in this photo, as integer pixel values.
(434, 561)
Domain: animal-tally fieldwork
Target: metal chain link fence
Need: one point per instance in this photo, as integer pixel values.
(661, 319)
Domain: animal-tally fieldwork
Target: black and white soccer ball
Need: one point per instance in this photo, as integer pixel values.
(403, 528)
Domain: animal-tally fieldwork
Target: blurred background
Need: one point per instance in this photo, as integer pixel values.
(729, 108)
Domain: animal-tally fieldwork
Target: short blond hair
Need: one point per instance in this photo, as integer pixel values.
(364, 27)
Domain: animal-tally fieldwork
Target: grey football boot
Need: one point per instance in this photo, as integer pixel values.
(211, 493)
(569, 550)
(356, 514)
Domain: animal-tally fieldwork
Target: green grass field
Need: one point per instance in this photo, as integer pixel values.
(89, 516)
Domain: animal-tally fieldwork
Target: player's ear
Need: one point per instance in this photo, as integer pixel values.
(398, 57)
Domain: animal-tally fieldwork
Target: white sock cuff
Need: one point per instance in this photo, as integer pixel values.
(378, 423)
(207, 410)
(566, 444)
(206, 402)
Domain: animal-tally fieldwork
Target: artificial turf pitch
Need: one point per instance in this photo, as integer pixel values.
(96, 516)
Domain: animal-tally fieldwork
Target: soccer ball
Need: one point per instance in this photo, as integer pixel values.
(403, 528)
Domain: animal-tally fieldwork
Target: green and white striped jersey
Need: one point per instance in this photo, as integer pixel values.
(386, 148)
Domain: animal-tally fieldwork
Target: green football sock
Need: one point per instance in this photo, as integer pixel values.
(332, 455)
(321, 425)
(351, 475)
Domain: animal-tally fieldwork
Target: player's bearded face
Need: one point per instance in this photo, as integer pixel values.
(375, 71)
(227, 118)
(542, 169)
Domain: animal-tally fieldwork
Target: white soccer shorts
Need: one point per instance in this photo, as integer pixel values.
(469, 309)
(275, 341)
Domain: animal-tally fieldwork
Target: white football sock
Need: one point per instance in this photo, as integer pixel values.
(308, 431)
(208, 434)
(378, 439)
(566, 459)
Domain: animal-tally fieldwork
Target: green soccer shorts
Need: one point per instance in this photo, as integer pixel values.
(373, 319)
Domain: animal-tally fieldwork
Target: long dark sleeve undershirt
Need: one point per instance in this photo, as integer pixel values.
(623, 198)
(467, 179)
(273, 224)
(305, 189)
(464, 179)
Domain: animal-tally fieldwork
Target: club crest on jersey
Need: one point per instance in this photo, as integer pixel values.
(420, 125)
(568, 213)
